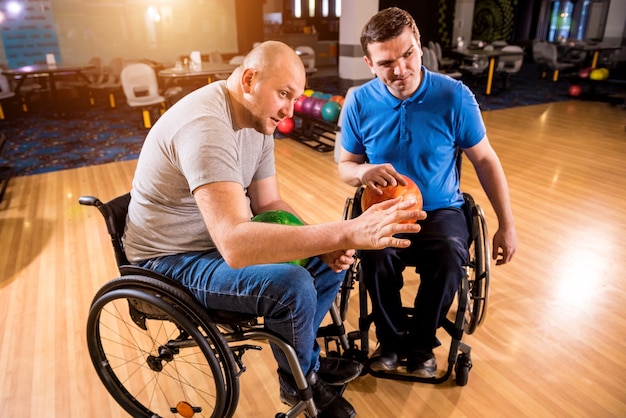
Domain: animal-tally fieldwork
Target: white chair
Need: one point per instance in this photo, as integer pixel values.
(499, 44)
(307, 54)
(141, 89)
(216, 56)
(433, 64)
(237, 60)
(444, 62)
(510, 64)
(539, 56)
(552, 61)
(474, 64)
(110, 81)
(427, 58)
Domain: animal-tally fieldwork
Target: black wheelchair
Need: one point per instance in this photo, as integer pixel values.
(471, 303)
(160, 353)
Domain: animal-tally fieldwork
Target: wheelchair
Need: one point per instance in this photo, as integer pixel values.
(471, 303)
(160, 353)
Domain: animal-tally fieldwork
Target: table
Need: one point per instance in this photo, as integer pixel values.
(595, 50)
(208, 69)
(492, 55)
(50, 71)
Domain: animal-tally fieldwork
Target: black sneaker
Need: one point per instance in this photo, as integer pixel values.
(383, 360)
(337, 371)
(328, 402)
(422, 364)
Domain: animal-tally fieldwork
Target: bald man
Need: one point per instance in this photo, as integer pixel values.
(205, 168)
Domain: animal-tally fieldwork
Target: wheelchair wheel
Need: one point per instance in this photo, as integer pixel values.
(479, 251)
(157, 352)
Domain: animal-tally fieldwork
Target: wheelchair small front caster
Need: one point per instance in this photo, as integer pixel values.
(463, 366)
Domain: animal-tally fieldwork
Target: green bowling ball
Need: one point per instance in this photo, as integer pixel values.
(281, 217)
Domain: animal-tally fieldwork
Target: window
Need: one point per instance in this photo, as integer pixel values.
(577, 20)
(315, 8)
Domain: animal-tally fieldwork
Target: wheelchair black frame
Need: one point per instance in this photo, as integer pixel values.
(226, 328)
(472, 297)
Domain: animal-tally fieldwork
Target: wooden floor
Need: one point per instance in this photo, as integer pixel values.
(553, 343)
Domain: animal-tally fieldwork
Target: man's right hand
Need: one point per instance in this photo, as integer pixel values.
(378, 225)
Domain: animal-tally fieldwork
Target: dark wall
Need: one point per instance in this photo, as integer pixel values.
(434, 18)
(494, 20)
(249, 15)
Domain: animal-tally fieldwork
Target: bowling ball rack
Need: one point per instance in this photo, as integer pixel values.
(314, 132)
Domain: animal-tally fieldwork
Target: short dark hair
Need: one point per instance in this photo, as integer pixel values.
(385, 25)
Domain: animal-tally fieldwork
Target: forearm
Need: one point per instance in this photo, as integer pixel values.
(252, 243)
(493, 181)
(350, 172)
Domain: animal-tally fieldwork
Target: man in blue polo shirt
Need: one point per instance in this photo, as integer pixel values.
(410, 121)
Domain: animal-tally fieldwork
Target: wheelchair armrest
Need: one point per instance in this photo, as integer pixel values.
(89, 201)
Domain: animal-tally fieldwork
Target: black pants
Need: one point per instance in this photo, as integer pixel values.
(439, 252)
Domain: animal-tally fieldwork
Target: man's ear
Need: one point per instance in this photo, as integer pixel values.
(369, 64)
(247, 77)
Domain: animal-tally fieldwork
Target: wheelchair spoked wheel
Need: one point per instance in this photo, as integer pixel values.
(157, 352)
(479, 251)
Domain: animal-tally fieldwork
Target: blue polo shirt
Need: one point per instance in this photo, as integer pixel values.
(418, 136)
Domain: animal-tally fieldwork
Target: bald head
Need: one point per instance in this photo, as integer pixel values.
(273, 57)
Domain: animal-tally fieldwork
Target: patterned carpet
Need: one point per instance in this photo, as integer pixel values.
(39, 142)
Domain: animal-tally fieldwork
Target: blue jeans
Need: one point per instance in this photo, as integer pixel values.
(292, 299)
(439, 252)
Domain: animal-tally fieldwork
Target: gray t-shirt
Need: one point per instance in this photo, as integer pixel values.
(196, 142)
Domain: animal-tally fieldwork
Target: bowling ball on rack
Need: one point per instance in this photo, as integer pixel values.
(298, 104)
(316, 109)
(308, 92)
(331, 111)
(307, 105)
(286, 126)
(337, 98)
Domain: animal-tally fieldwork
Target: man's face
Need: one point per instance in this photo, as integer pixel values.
(272, 98)
(397, 63)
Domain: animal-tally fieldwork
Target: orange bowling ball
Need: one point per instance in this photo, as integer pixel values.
(410, 191)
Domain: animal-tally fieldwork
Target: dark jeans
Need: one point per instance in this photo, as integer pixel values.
(439, 252)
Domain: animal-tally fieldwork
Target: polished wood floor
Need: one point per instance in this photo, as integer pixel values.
(553, 343)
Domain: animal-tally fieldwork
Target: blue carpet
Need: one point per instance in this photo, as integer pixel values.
(38, 142)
